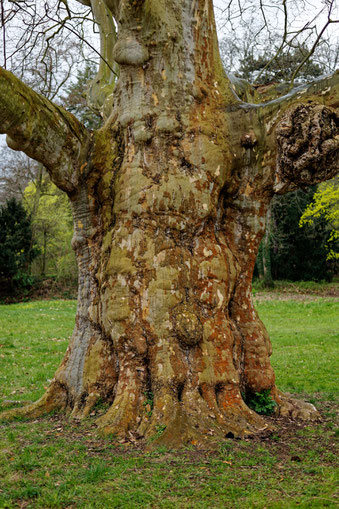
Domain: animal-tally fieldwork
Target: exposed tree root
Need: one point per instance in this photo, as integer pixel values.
(55, 398)
(198, 418)
(235, 410)
(294, 408)
(122, 415)
(190, 420)
(81, 411)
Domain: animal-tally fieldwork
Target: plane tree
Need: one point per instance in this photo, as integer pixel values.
(169, 199)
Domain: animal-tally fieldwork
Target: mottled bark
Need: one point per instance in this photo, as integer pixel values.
(169, 212)
(43, 130)
(266, 252)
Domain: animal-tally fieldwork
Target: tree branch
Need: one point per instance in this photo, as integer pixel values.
(44, 131)
(104, 82)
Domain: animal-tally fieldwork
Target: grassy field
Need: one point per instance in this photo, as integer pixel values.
(52, 462)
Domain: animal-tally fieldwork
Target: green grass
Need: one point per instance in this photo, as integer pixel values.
(55, 463)
(305, 338)
(33, 340)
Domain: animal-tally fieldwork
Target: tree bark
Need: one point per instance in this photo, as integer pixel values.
(266, 251)
(169, 211)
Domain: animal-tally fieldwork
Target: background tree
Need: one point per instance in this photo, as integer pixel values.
(16, 171)
(16, 250)
(298, 253)
(325, 206)
(52, 224)
(279, 31)
(169, 200)
(263, 69)
(75, 100)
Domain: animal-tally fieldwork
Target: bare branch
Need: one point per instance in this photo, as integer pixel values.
(310, 53)
(283, 42)
(3, 32)
(265, 23)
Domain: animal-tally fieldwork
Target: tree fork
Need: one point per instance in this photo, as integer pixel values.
(169, 211)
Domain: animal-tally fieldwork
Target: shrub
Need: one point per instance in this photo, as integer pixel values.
(261, 402)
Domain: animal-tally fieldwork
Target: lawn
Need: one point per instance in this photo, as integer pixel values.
(52, 462)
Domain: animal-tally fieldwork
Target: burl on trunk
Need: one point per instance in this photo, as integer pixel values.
(169, 200)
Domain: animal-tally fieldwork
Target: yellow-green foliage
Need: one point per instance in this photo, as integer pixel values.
(52, 227)
(326, 204)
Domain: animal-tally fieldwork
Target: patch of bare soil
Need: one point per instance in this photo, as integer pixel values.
(332, 293)
(291, 440)
(301, 291)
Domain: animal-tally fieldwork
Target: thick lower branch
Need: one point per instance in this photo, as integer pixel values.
(290, 141)
(43, 130)
(308, 146)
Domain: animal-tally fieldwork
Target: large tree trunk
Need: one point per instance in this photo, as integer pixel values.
(169, 201)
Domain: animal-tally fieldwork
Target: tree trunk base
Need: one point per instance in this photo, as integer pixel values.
(171, 422)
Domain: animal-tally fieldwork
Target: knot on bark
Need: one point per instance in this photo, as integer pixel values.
(129, 51)
(248, 140)
(308, 145)
(187, 325)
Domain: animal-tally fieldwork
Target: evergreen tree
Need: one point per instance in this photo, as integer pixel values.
(264, 68)
(75, 100)
(16, 251)
(298, 253)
